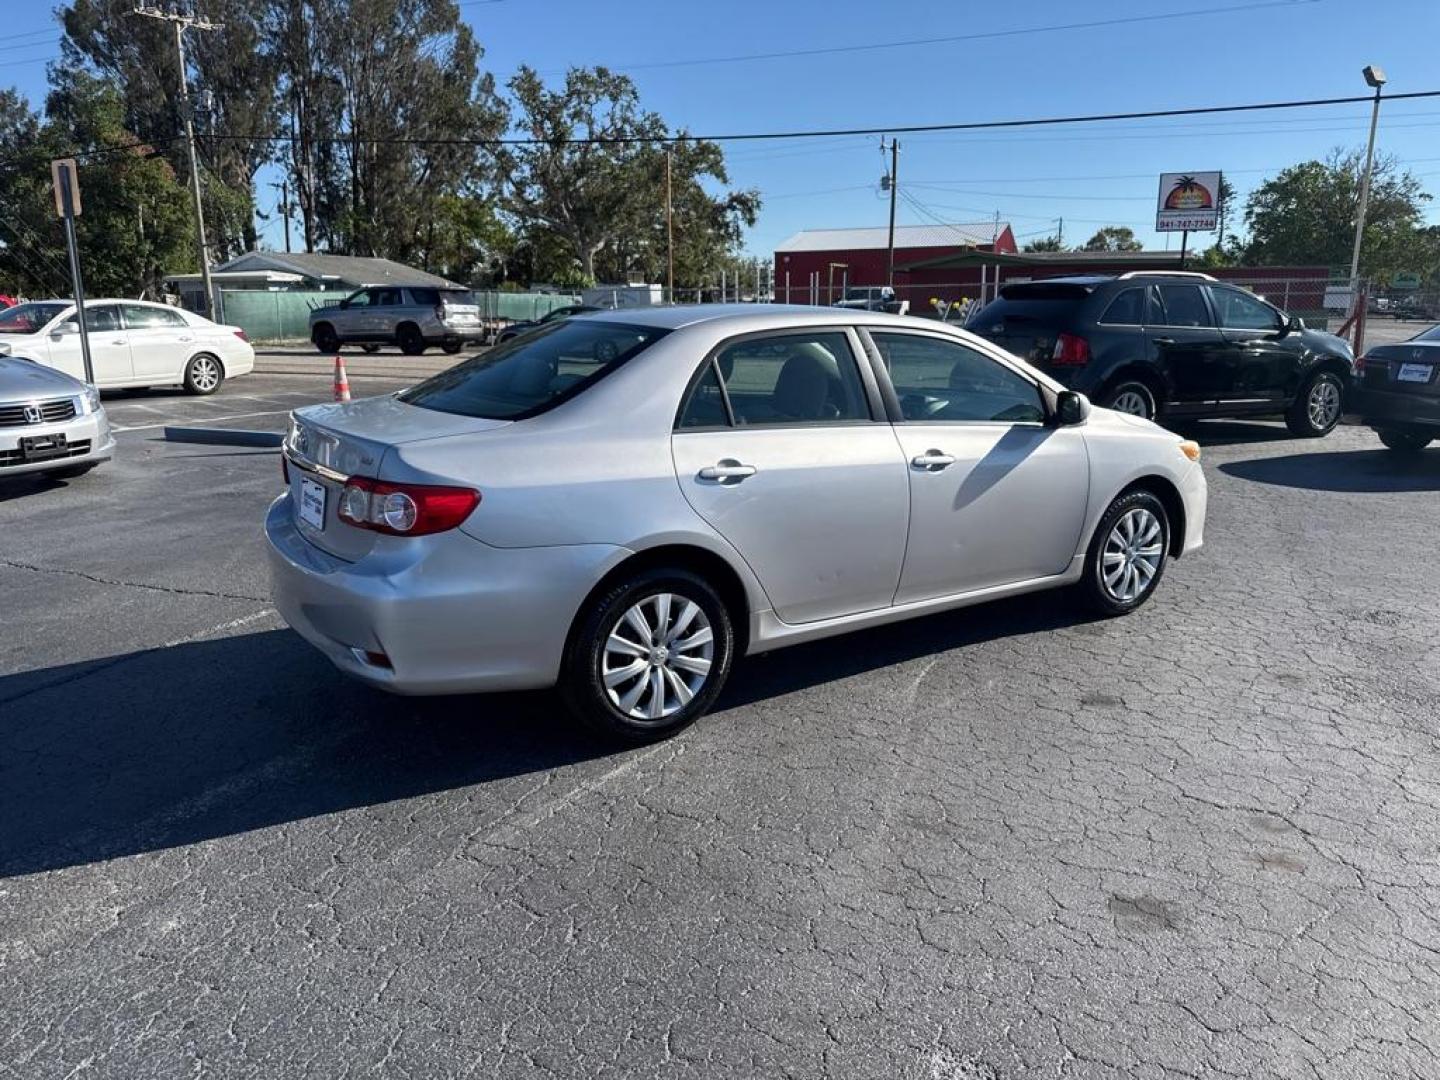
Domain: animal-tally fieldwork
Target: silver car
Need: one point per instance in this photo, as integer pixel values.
(623, 503)
(411, 316)
(49, 422)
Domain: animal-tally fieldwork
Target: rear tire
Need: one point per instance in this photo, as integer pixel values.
(1405, 440)
(1134, 398)
(1127, 554)
(1317, 408)
(325, 338)
(204, 374)
(648, 657)
(409, 339)
(452, 347)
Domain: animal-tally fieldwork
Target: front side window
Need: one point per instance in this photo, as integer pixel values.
(28, 318)
(1241, 311)
(357, 299)
(948, 381)
(1183, 305)
(141, 317)
(101, 319)
(786, 379)
(1127, 309)
(530, 374)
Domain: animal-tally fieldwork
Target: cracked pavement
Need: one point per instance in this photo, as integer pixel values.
(1200, 841)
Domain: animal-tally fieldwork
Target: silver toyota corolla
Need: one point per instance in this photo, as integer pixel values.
(622, 503)
(49, 422)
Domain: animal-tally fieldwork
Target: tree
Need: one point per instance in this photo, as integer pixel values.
(1306, 216)
(136, 226)
(594, 176)
(1113, 238)
(1045, 243)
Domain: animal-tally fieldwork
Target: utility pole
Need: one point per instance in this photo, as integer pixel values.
(669, 230)
(284, 186)
(181, 24)
(1060, 233)
(892, 182)
(1374, 77)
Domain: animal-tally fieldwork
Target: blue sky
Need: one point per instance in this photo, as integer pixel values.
(1092, 175)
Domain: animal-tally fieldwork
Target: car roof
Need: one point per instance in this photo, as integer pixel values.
(678, 316)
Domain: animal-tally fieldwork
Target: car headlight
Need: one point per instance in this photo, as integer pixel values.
(90, 400)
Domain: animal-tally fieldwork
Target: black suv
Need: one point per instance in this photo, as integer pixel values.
(1173, 345)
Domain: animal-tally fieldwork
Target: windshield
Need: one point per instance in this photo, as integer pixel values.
(530, 374)
(1433, 334)
(28, 318)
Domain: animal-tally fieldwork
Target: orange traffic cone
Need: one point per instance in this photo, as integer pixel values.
(342, 381)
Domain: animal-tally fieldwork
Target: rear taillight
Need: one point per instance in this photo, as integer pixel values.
(404, 509)
(1070, 349)
(440, 312)
(285, 468)
(1360, 364)
(243, 336)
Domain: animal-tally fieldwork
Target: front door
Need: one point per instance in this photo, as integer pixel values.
(1266, 363)
(1187, 346)
(160, 341)
(109, 347)
(996, 496)
(776, 447)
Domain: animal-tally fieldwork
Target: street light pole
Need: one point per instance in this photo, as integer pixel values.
(1376, 78)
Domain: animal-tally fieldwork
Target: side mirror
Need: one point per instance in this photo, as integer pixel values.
(1295, 325)
(344, 303)
(1071, 408)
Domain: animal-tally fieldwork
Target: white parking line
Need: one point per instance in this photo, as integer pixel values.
(193, 419)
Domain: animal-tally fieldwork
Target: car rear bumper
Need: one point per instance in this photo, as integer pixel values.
(1382, 408)
(91, 430)
(450, 613)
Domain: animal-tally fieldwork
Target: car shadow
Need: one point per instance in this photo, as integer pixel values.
(167, 747)
(1231, 432)
(19, 487)
(1353, 471)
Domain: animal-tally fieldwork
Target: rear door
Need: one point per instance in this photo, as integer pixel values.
(1188, 347)
(386, 308)
(160, 341)
(781, 448)
(996, 496)
(1265, 365)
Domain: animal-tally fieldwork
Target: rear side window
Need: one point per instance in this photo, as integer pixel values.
(385, 297)
(809, 378)
(1127, 309)
(425, 297)
(140, 317)
(528, 375)
(1183, 305)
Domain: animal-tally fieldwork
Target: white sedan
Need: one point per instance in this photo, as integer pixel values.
(132, 343)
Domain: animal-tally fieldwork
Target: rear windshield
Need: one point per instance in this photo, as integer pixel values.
(1045, 290)
(530, 374)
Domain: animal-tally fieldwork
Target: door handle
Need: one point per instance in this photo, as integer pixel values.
(185, 337)
(1163, 340)
(727, 470)
(932, 459)
(121, 341)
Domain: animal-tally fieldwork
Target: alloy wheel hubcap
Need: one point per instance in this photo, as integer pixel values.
(203, 374)
(657, 657)
(1132, 555)
(1324, 403)
(1132, 402)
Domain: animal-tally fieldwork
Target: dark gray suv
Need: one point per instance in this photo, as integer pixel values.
(1172, 345)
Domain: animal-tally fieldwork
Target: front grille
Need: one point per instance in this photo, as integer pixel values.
(51, 412)
(79, 448)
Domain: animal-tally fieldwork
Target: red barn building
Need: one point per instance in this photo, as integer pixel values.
(815, 266)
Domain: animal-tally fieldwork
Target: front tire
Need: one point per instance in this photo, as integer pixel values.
(410, 340)
(1127, 554)
(1405, 440)
(203, 375)
(648, 657)
(452, 346)
(1134, 398)
(1317, 408)
(325, 338)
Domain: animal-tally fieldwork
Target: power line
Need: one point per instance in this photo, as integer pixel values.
(983, 36)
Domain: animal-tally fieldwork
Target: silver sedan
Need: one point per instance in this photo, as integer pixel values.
(49, 422)
(622, 503)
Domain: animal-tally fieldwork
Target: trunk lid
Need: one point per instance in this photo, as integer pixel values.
(329, 442)
(1411, 367)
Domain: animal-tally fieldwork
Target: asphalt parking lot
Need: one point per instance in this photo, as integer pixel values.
(1003, 842)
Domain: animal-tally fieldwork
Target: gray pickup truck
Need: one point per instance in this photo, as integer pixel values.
(410, 316)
